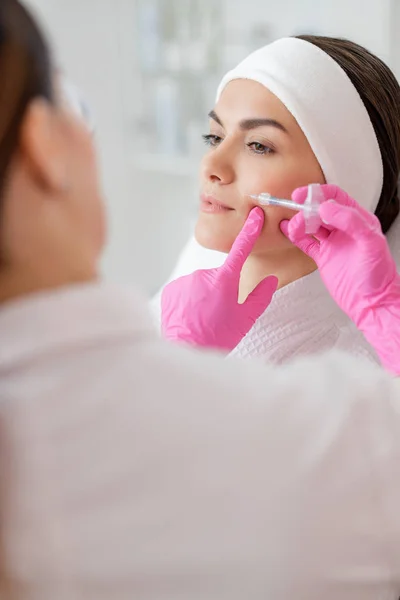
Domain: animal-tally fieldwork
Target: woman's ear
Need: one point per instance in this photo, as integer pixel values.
(41, 146)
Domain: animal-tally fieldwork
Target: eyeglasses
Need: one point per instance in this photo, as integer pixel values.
(73, 98)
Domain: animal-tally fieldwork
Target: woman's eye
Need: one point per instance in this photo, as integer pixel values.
(259, 148)
(212, 140)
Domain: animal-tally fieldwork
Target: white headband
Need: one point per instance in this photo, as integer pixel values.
(327, 107)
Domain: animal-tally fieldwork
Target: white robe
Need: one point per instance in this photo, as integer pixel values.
(302, 320)
(134, 469)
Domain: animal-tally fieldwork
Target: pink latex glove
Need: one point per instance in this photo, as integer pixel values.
(202, 309)
(356, 265)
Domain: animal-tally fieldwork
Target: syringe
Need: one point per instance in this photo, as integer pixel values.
(265, 199)
(310, 207)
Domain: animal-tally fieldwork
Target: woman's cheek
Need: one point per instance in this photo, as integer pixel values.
(271, 237)
(274, 216)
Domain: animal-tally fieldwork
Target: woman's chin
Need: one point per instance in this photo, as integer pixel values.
(212, 240)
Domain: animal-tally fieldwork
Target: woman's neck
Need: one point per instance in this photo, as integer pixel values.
(287, 266)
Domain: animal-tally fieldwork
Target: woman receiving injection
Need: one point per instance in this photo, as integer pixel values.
(334, 120)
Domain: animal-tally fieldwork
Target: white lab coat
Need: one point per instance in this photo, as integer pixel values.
(132, 469)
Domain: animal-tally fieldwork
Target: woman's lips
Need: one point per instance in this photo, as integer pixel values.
(208, 204)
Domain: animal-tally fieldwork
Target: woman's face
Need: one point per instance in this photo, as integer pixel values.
(255, 145)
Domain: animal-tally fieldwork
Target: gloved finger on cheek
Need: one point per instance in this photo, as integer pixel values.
(250, 231)
(245, 241)
(297, 228)
(284, 227)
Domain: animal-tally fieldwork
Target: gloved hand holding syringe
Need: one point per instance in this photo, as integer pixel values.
(310, 208)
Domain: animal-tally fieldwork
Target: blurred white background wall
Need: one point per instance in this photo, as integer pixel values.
(151, 190)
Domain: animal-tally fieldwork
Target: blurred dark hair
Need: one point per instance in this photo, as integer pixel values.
(25, 73)
(380, 93)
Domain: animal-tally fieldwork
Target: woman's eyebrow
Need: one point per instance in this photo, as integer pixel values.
(248, 124)
(213, 115)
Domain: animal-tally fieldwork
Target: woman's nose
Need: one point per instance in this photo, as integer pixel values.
(217, 167)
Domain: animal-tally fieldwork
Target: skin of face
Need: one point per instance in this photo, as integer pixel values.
(255, 145)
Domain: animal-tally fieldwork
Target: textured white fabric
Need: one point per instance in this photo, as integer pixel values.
(130, 469)
(302, 320)
(327, 107)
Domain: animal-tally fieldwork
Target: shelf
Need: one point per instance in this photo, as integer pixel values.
(179, 166)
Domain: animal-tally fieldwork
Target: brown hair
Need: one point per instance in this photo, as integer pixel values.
(380, 93)
(25, 73)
